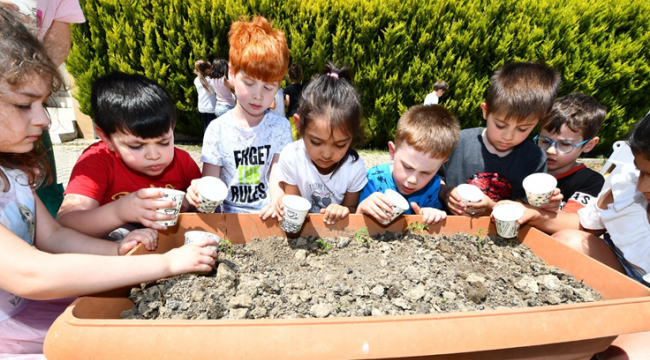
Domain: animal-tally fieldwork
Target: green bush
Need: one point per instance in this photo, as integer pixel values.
(398, 49)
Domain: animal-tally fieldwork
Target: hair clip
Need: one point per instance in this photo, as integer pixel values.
(333, 75)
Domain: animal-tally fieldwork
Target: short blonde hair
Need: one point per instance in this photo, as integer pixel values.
(257, 49)
(429, 129)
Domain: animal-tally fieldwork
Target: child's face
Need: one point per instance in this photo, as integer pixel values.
(22, 113)
(146, 156)
(558, 162)
(504, 134)
(325, 150)
(643, 164)
(412, 169)
(253, 96)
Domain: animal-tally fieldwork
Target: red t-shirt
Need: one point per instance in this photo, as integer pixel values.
(102, 175)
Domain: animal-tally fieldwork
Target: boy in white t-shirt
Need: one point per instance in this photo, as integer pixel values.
(245, 144)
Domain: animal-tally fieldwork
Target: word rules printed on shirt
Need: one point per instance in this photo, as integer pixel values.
(249, 163)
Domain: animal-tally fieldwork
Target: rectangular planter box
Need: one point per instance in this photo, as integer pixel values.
(91, 329)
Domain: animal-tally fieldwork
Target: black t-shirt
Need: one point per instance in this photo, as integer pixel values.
(294, 91)
(580, 185)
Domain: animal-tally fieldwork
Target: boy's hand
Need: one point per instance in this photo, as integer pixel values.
(140, 207)
(555, 201)
(192, 257)
(376, 206)
(454, 202)
(430, 216)
(334, 213)
(192, 193)
(269, 211)
(148, 237)
(479, 208)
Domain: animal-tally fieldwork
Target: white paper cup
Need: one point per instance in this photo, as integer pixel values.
(295, 211)
(212, 193)
(399, 205)
(192, 236)
(469, 193)
(505, 220)
(539, 188)
(176, 196)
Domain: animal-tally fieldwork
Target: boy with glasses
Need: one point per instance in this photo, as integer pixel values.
(565, 134)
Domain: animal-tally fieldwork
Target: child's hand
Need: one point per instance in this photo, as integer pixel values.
(148, 237)
(279, 209)
(269, 211)
(376, 206)
(192, 257)
(334, 213)
(192, 193)
(555, 201)
(140, 207)
(430, 216)
(454, 202)
(479, 208)
(529, 211)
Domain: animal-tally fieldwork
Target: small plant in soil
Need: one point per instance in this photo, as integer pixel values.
(362, 236)
(225, 245)
(479, 237)
(324, 246)
(416, 226)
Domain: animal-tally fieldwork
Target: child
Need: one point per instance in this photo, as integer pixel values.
(27, 78)
(439, 88)
(244, 145)
(568, 132)
(425, 137)
(222, 86)
(498, 158)
(623, 212)
(322, 166)
(207, 99)
(111, 183)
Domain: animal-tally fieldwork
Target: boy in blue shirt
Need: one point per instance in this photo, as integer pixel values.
(425, 137)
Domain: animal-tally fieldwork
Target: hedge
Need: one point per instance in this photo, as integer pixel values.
(398, 49)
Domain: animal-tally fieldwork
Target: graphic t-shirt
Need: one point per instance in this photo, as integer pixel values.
(102, 175)
(245, 156)
(500, 178)
(17, 215)
(296, 168)
(380, 178)
(580, 186)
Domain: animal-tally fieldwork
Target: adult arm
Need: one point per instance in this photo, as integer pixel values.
(57, 42)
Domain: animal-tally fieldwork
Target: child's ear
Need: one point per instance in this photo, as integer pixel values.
(391, 150)
(484, 108)
(231, 76)
(105, 138)
(590, 145)
(296, 121)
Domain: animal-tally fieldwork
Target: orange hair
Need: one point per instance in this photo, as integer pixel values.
(258, 50)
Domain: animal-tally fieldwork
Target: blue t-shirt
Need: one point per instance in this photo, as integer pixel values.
(380, 178)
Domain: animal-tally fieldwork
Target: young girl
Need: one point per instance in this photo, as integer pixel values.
(206, 93)
(322, 166)
(222, 86)
(28, 233)
(623, 247)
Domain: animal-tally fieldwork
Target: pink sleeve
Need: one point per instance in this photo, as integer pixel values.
(67, 11)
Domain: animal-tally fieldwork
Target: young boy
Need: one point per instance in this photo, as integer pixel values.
(425, 137)
(439, 88)
(244, 145)
(111, 183)
(497, 158)
(568, 132)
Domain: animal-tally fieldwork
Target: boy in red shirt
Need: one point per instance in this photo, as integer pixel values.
(112, 183)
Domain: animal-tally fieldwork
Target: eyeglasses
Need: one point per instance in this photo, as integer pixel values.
(562, 146)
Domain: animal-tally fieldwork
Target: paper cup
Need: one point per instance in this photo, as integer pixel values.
(176, 196)
(469, 193)
(539, 188)
(212, 193)
(399, 205)
(192, 236)
(295, 211)
(505, 219)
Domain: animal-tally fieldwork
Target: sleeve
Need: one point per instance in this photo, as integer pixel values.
(594, 184)
(359, 178)
(371, 185)
(287, 166)
(590, 216)
(69, 11)
(90, 175)
(211, 151)
(189, 169)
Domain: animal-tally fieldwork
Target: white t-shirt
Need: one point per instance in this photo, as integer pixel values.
(296, 168)
(245, 156)
(279, 103)
(206, 100)
(224, 95)
(17, 214)
(431, 99)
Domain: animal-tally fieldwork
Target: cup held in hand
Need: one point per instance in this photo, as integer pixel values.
(295, 211)
(212, 193)
(176, 196)
(539, 188)
(469, 193)
(505, 220)
(399, 205)
(193, 236)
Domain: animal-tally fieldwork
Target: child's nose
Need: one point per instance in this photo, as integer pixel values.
(41, 119)
(152, 153)
(551, 150)
(508, 134)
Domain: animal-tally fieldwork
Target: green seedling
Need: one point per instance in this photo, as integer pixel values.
(325, 247)
(362, 235)
(416, 226)
(224, 245)
(479, 236)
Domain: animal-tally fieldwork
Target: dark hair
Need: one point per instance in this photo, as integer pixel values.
(132, 103)
(22, 56)
(219, 69)
(441, 85)
(639, 140)
(521, 90)
(579, 112)
(332, 95)
(295, 72)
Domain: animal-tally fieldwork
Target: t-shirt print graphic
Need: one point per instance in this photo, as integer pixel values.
(320, 200)
(491, 184)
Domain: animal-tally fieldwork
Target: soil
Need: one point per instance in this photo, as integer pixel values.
(389, 274)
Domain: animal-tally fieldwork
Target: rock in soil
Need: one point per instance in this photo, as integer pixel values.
(390, 274)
